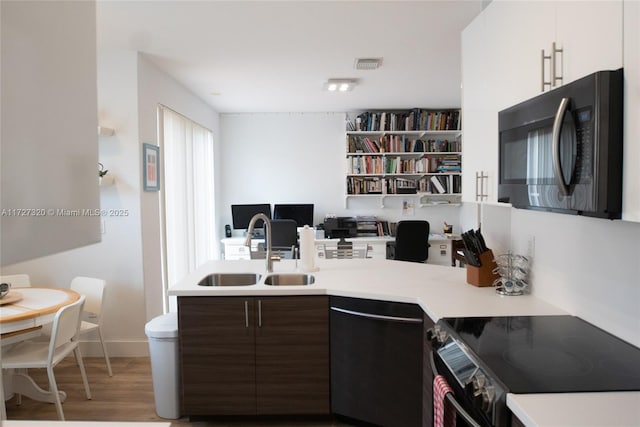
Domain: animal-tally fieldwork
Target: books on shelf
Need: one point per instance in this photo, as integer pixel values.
(395, 152)
(378, 165)
(438, 184)
(406, 120)
(443, 146)
(400, 144)
(445, 164)
(441, 184)
(376, 185)
(369, 185)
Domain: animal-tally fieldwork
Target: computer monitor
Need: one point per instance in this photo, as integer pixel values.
(242, 214)
(301, 213)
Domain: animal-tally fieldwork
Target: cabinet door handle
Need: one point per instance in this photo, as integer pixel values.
(480, 194)
(260, 313)
(543, 59)
(246, 314)
(554, 53)
(378, 316)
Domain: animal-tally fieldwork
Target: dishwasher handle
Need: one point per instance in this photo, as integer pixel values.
(378, 316)
(451, 398)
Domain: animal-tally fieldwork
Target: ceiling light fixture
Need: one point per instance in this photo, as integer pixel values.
(340, 85)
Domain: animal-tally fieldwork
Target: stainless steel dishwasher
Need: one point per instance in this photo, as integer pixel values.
(376, 361)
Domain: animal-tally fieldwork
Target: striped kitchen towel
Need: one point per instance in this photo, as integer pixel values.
(440, 389)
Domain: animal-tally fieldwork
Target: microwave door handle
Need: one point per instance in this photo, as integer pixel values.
(451, 398)
(555, 150)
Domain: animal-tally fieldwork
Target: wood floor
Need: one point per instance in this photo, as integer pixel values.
(127, 396)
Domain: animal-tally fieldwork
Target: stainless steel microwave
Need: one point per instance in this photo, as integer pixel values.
(562, 150)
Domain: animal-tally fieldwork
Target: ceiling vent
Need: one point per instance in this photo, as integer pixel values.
(368, 63)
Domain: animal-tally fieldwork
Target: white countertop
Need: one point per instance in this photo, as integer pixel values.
(620, 409)
(441, 291)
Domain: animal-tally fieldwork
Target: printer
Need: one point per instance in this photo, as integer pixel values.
(340, 227)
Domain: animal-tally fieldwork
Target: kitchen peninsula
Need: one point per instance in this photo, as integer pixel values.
(440, 292)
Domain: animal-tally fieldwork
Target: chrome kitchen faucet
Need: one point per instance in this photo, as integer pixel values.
(269, 257)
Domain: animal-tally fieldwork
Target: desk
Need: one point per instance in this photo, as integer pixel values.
(22, 320)
(439, 250)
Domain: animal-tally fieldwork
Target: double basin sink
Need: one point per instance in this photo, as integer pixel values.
(247, 279)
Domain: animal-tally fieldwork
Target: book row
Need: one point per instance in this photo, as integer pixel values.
(435, 184)
(441, 184)
(395, 165)
(400, 144)
(408, 120)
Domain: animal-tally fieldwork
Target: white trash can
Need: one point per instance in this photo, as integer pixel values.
(162, 332)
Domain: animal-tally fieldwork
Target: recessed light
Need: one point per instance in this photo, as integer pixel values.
(340, 85)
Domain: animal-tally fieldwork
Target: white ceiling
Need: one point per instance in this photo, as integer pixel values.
(274, 56)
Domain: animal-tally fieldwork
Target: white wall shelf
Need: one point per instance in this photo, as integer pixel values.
(105, 131)
(106, 181)
(424, 199)
(404, 163)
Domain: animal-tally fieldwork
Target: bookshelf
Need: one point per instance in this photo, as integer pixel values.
(408, 153)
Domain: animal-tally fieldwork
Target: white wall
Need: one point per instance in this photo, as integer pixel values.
(156, 87)
(299, 158)
(587, 266)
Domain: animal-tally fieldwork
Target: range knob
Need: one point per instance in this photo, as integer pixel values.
(479, 381)
(488, 396)
(483, 392)
(436, 335)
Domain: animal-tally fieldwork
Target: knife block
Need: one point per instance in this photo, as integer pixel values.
(483, 275)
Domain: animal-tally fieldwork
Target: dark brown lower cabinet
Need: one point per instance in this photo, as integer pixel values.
(254, 356)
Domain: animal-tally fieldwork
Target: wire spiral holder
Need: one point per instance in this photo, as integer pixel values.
(514, 271)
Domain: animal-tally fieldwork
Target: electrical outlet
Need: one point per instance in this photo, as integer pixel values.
(531, 246)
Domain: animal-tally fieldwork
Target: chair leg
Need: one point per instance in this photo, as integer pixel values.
(18, 395)
(104, 350)
(53, 388)
(78, 356)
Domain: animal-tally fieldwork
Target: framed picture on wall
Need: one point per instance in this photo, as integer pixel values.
(151, 167)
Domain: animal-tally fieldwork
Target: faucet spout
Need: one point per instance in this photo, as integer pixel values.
(268, 256)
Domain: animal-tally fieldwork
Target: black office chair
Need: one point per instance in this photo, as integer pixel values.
(412, 241)
(285, 233)
(283, 241)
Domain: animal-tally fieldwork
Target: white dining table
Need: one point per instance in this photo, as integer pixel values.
(32, 307)
(23, 312)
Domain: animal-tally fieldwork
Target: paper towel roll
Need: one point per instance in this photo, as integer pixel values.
(307, 249)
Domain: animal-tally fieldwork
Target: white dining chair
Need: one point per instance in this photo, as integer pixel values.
(46, 355)
(94, 290)
(16, 280)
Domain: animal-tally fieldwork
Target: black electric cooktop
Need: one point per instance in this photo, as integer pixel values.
(549, 354)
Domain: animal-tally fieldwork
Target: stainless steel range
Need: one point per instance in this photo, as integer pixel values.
(484, 358)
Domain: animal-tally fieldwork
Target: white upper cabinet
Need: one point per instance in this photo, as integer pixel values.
(590, 34)
(502, 65)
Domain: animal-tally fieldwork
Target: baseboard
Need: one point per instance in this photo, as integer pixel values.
(138, 348)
